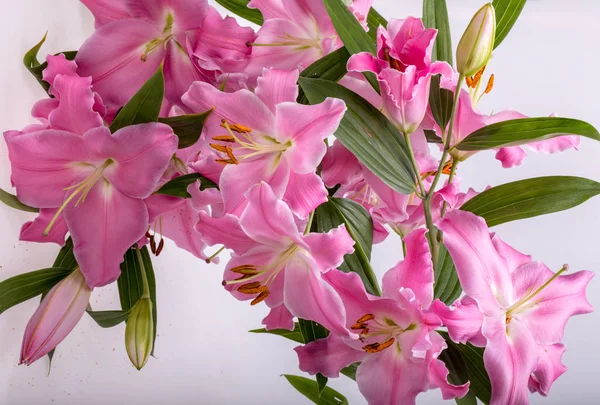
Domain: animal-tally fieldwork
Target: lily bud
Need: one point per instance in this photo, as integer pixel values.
(139, 333)
(476, 45)
(55, 318)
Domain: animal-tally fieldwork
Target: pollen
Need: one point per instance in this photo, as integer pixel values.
(447, 169)
(245, 269)
(253, 288)
(490, 84)
(224, 138)
(240, 129)
(260, 297)
(365, 318)
(377, 347)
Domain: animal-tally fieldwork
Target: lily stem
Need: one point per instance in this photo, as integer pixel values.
(145, 285)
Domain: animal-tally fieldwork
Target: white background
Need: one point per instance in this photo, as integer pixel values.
(547, 64)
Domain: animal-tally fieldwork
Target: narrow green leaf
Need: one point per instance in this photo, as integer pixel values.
(531, 198)
(321, 382)
(368, 134)
(351, 33)
(525, 130)
(435, 15)
(108, 319)
(13, 202)
(431, 136)
(36, 68)
(144, 106)
(331, 67)
(179, 185)
(295, 335)
(440, 101)
(507, 13)
(187, 127)
(359, 224)
(374, 20)
(130, 282)
(240, 7)
(23, 287)
(350, 371)
(65, 258)
(310, 390)
(447, 287)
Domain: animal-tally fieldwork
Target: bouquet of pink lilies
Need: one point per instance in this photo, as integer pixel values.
(297, 147)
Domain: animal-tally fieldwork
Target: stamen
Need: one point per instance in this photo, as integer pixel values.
(447, 167)
(519, 304)
(226, 161)
(245, 269)
(252, 288)
(365, 318)
(240, 129)
(358, 326)
(224, 138)
(478, 75)
(377, 347)
(153, 245)
(219, 148)
(260, 298)
(490, 84)
(161, 245)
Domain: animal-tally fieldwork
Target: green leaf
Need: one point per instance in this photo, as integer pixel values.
(471, 366)
(435, 15)
(108, 319)
(144, 106)
(239, 7)
(187, 127)
(507, 12)
(525, 130)
(312, 331)
(531, 198)
(368, 134)
(331, 67)
(179, 185)
(431, 136)
(23, 287)
(65, 258)
(13, 202)
(440, 101)
(350, 371)
(36, 68)
(359, 224)
(374, 20)
(458, 372)
(447, 287)
(130, 282)
(351, 33)
(295, 335)
(310, 390)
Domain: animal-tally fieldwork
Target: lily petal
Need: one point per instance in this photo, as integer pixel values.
(327, 356)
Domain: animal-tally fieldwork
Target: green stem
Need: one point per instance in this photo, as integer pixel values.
(413, 161)
(145, 285)
(309, 223)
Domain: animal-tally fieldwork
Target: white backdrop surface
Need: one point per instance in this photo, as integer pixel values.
(204, 354)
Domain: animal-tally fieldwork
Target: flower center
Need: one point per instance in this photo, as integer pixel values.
(474, 86)
(248, 283)
(384, 331)
(247, 144)
(160, 41)
(527, 301)
(80, 189)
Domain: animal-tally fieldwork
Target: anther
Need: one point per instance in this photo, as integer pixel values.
(224, 138)
(245, 269)
(153, 245)
(365, 318)
(160, 247)
(260, 298)
(490, 84)
(377, 347)
(478, 75)
(220, 148)
(447, 169)
(226, 161)
(252, 288)
(358, 326)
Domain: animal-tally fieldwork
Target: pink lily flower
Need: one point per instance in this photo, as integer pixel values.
(60, 310)
(133, 38)
(267, 136)
(397, 344)
(275, 263)
(404, 69)
(97, 181)
(522, 307)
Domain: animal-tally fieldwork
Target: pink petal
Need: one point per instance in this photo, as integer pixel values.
(143, 148)
(463, 320)
(33, 231)
(103, 227)
(555, 145)
(548, 369)
(513, 257)
(242, 107)
(483, 273)
(327, 356)
(339, 166)
(179, 226)
(308, 296)
(112, 56)
(106, 11)
(269, 8)
(365, 62)
(75, 111)
(306, 127)
(415, 272)
(509, 357)
(224, 231)
(58, 65)
(392, 377)
(552, 307)
(60, 310)
(187, 14)
(268, 220)
(511, 156)
(44, 164)
(328, 249)
(277, 86)
(180, 72)
(395, 203)
(358, 83)
(304, 193)
(279, 318)
(438, 373)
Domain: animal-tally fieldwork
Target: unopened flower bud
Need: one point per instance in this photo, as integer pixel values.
(55, 318)
(139, 333)
(476, 45)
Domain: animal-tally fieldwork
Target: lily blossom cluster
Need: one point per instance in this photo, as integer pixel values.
(109, 180)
